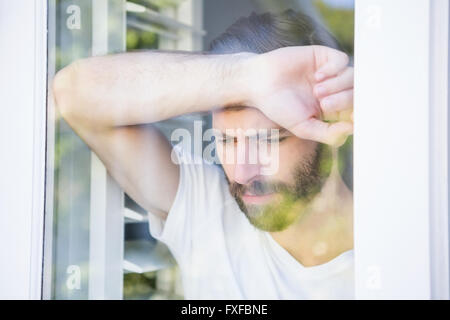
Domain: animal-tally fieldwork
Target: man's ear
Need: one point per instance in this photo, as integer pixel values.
(345, 162)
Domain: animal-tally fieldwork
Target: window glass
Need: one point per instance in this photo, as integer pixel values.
(68, 197)
(98, 242)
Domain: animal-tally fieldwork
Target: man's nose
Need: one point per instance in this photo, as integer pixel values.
(244, 173)
(246, 165)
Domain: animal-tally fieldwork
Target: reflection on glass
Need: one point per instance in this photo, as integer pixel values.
(148, 270)
(70, 35)
(76, 31)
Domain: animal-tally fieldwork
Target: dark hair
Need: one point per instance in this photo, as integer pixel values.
(259, 33)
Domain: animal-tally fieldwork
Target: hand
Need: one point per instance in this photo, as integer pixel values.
(307, 90)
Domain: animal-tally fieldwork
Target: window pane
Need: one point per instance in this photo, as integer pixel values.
(69, 40)
(107, 243)
(74, 33)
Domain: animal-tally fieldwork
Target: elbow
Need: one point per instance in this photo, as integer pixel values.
(70, 92)
(65, 92)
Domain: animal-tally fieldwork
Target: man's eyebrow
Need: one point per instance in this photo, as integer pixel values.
(223, 136)
(282, 132)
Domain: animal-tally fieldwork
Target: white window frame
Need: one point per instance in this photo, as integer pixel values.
(401, 47)
(23, 83)
(410, 262)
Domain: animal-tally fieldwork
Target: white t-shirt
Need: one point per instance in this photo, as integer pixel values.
(222, 256)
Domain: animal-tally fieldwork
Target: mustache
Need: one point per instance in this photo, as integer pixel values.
(257, 188)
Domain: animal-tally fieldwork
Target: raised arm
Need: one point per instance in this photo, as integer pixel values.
(146, 87)
(112, 101)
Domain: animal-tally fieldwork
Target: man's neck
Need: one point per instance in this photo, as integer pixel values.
(325, 230)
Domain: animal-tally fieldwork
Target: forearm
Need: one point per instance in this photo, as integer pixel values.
(146, 87)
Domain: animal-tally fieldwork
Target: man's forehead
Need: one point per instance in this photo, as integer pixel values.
(244, 118)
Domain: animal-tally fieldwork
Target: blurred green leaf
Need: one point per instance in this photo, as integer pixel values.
(341, 23)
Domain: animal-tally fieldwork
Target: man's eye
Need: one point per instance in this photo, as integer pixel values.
(268, 140)
(274, 140)
(226, 141)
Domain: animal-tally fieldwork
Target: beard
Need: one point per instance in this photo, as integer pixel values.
(309, 176)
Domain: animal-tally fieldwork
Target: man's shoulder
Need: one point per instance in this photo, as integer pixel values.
(198, 175)
(183, 154)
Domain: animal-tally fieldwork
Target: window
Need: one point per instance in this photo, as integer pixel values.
(67, 230)
(97, 239)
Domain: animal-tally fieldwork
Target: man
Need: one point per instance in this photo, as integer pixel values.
(240, 232)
